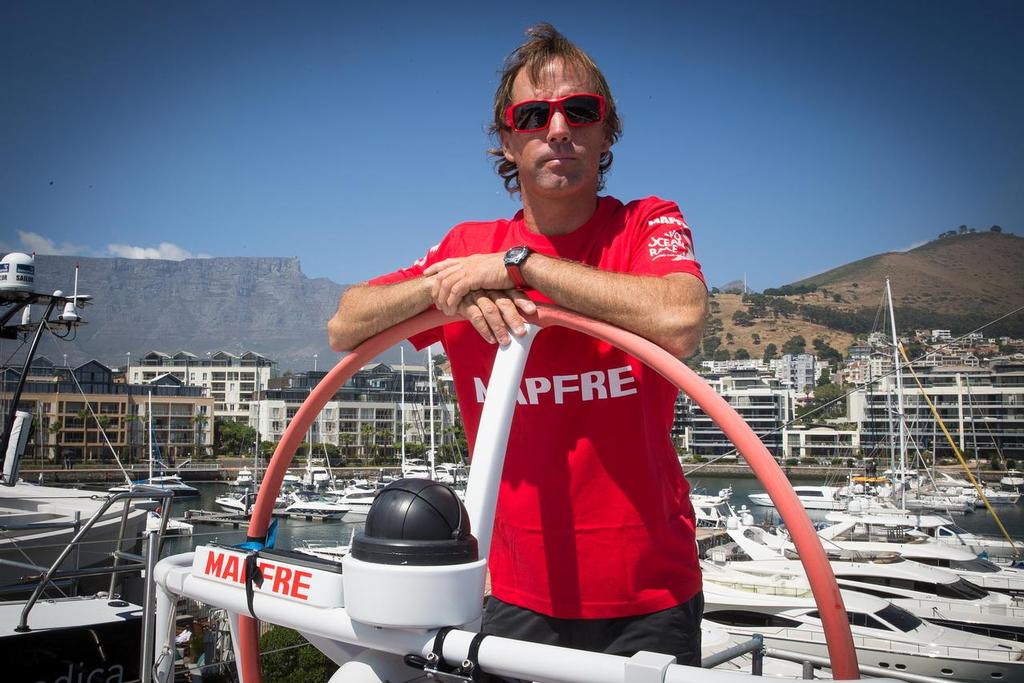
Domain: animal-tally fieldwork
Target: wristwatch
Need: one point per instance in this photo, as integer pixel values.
(514, 260)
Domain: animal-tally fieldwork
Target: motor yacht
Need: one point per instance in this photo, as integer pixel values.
(357, 501)
(171, 482)
(886, 636)
(415, 468)
(927, 592)
(935, 527)
(711, 512)
(1013, 480)
(310, 505)
(812, 498)
(244, 477)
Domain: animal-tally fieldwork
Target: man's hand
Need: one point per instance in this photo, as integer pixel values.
(454, 278)
(495, 313)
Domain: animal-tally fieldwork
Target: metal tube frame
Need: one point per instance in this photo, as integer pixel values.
(53, 570)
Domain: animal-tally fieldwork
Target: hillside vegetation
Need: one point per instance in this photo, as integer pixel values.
(959, 282)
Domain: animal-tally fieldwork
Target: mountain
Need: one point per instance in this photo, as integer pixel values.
(959, 282)
(266, 305)
(733, 287)
(956, 274)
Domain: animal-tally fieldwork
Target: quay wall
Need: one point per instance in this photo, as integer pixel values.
(228, 472)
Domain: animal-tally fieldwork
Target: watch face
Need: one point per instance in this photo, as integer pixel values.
(516, 255)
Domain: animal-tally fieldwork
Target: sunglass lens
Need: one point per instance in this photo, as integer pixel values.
(531, 116)
(582, 109)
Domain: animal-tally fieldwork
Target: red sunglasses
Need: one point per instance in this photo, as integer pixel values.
(579, 109)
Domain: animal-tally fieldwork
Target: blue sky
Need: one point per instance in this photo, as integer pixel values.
(795, 136)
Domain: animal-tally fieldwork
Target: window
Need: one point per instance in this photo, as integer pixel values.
(858, 619)
(735, 617)
(899, 617)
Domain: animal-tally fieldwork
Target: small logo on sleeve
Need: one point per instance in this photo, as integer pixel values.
(422, 260)
(674, 244)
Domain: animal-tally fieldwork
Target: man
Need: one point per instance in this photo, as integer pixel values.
(593, 543)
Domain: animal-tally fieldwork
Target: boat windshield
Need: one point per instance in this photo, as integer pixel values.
(977, 565)
(898, 617)
(961, 589)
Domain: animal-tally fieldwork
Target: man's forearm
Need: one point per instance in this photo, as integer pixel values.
(667, 310)
(365, 310)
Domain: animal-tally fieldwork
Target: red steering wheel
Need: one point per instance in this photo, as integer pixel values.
(841, 650)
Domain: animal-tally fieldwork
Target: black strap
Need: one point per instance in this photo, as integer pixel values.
(471, 666)
(253, 576)
(434, 662)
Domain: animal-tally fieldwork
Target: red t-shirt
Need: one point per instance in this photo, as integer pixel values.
(594, 517)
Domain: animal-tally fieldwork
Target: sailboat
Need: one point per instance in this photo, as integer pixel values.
(173, 482)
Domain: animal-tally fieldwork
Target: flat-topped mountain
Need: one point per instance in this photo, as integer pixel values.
(265, 305)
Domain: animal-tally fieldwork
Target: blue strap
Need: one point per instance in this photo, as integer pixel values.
(256, 545)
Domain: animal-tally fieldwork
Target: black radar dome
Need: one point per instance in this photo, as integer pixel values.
(416, 522)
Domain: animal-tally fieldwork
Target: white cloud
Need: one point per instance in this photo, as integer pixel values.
(165, 250)
(34, 242)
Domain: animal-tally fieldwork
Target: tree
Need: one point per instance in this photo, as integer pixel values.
(286, 661)
(721, 354)
(770, 352)
(232, 438)
(711, 344)
(996, 228)
(742, 354)
(756, 337)
(728, 338)
(794, 345)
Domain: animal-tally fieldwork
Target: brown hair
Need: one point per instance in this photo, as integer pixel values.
(544, 46)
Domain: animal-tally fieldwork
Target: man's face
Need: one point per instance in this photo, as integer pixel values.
(560, 160)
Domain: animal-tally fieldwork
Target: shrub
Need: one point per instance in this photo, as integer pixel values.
(295, 664)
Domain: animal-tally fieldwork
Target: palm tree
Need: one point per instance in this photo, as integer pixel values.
(54, 430)
(366, 432)
(199, 421)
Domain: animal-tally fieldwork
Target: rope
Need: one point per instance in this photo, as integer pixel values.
(956, 451)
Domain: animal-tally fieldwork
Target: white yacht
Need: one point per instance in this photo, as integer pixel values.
(415, 468)
(886, 636)
(928, 593)
(812, 498)
(241, 502)
(1013, 480)
(39, 521)
(935, 527)
(244, 477)
(712, 511)
(170, 482)
(356, 501)
(310, 505)
(316, 475)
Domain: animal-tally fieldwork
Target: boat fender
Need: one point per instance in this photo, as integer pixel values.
(435, 668)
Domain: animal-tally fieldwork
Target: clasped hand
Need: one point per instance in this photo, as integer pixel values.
(479, 289)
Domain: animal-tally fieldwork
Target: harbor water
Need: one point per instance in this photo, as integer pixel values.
(293, 532)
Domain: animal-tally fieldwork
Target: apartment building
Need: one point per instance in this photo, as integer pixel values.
(368, 414)
(82, 413)
(232, 380)
(822, 442)
(982, 407)
(797, 371)
(759, 398)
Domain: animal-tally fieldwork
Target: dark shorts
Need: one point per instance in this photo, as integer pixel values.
(673, 631)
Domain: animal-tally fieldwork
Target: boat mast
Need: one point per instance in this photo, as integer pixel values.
(430, 391)
(401, 423)
(149, 416)
(899, 395)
